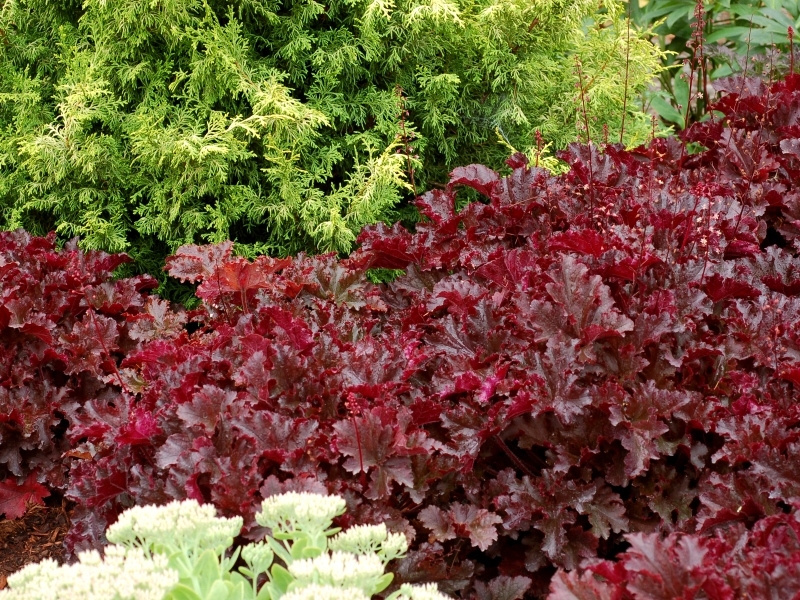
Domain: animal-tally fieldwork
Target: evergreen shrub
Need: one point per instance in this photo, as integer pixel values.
(287, 125)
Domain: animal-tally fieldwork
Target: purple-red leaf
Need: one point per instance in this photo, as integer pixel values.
(16, 497)
(478, 177)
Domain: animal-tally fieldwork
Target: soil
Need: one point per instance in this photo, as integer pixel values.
(39, 534)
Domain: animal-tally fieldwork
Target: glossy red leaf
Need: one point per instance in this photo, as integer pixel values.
(16, 497)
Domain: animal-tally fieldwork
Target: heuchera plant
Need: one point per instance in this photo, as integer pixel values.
(65, 324)
(762, 561)
(577, 366)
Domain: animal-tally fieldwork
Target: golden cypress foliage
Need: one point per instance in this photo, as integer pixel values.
(141, 125)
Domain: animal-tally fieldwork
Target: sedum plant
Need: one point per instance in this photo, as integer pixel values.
(287, 125)
(180, 552)
(122, 574)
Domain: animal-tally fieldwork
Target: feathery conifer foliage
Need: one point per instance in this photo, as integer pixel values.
(287, 125)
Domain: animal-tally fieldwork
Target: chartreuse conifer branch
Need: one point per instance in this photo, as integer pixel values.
(180, 552)
(142, 126)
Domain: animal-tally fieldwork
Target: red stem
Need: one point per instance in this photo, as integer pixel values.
(627, 67)
(514, 458)
(588, 137)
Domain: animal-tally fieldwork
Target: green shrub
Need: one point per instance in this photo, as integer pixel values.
(287, 125)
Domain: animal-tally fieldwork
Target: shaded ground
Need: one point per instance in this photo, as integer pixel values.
(32, 538)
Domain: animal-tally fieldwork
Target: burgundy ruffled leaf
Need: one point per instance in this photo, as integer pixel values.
(461, 520)
(15, 497)
(373, 446)
(581, 307)
(158, 320)
(197, 263)
(478, 177)
(580, 586)
(503, 588)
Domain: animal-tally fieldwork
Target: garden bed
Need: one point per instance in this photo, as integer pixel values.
(579, 382)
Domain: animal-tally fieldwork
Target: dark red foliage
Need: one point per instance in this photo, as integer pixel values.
(604, 360)
(64, 326)
(734, 562)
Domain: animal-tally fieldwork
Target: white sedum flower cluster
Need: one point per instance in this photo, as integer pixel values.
(180, 525)
(367, 539)
(340, 569)
(257, 554)
(124, 574)
(183, 544)
(299, 511)
(325, 592)
(428, 591)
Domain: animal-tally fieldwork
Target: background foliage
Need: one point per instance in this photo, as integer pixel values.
(286, 125)
(708, 39)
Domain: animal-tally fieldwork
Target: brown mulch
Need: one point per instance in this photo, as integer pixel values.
(39, 534)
